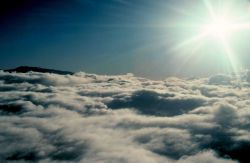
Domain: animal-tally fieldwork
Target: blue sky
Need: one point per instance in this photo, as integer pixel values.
(107, 37)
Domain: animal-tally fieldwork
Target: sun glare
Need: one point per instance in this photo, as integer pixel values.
(218, 31)
(220, 27)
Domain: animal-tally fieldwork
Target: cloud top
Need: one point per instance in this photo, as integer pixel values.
(95, 118)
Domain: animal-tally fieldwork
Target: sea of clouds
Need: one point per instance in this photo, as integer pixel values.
(123, 119)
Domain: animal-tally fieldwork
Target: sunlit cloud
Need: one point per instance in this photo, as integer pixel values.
(96, 118)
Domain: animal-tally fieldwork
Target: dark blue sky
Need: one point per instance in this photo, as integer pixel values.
(103, 36)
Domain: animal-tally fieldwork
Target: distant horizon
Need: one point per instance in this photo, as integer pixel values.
(166, 77)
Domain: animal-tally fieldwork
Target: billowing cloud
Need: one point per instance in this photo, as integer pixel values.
(94, 118)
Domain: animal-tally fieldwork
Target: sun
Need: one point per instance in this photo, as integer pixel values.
(216, 32)
(214, 35)
(220, 27)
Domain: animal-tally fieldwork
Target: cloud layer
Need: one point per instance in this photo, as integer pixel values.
(92, 118)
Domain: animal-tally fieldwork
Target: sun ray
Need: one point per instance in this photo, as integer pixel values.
(209, 8)
(231, 57)
(219, 30)
(188, 42)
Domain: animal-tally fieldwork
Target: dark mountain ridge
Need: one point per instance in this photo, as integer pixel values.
(25, 69)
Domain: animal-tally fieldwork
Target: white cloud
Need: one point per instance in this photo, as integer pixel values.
(94, 118)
